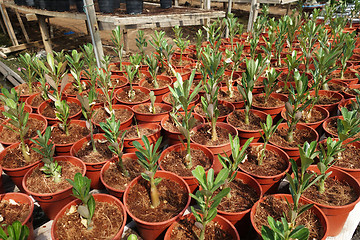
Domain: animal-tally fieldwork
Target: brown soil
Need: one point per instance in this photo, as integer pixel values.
(103, 153)
(142, 76)
(336, 87)
(277, 207)
(9, 136)
(243, 197)
(116, 82)
(114, 177)
(139, 96)
(174, 162)
(38, 182)
(176, 62)
(283, 77)
(71, 90)
(325, 100)
(300, 137)
(173, 199)
(336, 193)
(145, 108)
(76, 132)
(223, 95)
(347, 75)
(132, 133)
(150, 85)
(332, 128)
(316, 116)
(23, 89)
(2, 117)
(186, 229)
(170, 125)
(15, 159)
(11, 212)
(100, 115)
(107, 221)
(37, 100)
(49, 110)
(272, 165)
(224, 110)
(351, 91)
(350, 157)
(259, 101)
(237, 119)
(203, 136)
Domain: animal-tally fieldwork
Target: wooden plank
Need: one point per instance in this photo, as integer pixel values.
(8, 25)
(45, 34)
(21, 47)
(31, 17)
(252, 16)
(23, 29)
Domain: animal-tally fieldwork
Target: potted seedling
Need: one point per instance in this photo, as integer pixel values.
(181, 42)
(116, 38)
(76, 64)
(15, 231)
(152, 184)
(347, 51)
(280, 28)
(292, 62)
(26, 67)
(141, 43)
(233, 28)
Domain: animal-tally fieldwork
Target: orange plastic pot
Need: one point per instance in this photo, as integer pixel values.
(159, 92)
(337, 215)
(92, 169)
(124, 124)
(190, 180)
(152, 230)
(185, 73)
(349, 95)
(273, 111)
(219, 149)
(351, 80)
(196, 99)
(150, 117)
(330, 107)
(246, 134)
(237, 105)
(270, 184)
(142, 89)
(98, 198)
(316, 210)
(121, 81)
(220, 118)
(52, 203)
(346, 102)
(27, 109)
(29, 100)
(327, 122)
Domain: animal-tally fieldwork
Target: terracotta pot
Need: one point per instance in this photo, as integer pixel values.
(313, 125)
(172, 136)
(349, 95)
(55, 120)
(124, 124)
(159, 92)
(149, 117)
(64, 149)
(185, 73)
(337, 215)
(228, 105)
(330, 107)
(114, 191)
(31, 115)
(29, 100)
(196, 99)
(114, 68)
(246, 134)
(92, 169)
(23, 199)
(98, 198)
(23, 97)
(219, 149)
(184, 59)
(128, 143)
(121, 81)
(293, 152)
(190, 180)
(325, 126)
(186, 53)
(52, 203)
(273, 111)
(270, 184)
(345, 103)
(237, 105)
(316, 210)
(350, 80)
(152, 230)
(223, 222)
(142, 89)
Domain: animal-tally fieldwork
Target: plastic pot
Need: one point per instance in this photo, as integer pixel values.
(51, 203)
(159, 92)
(195, 100)
(330, 107)
(142, 89)
(349, 95)
(29, 100)
(150, 117)
(228, 105)
(124, 124)
(327, 122)
(273, 111)
(237, 105)
(165, 4)
(108, 6)
(134, 6)
(152, 230)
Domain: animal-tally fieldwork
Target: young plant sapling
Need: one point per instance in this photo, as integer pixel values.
(41, 71)
(181, 42)
(105, 84)
(51, 167)
(62, 113)
(270, 81)
(15, 231)
(113, 134)
(76, 63)
(232, 25)
(141, 43)
(292, 62)
(153, 64)
(280, 27)
(198, 48)
(130, 72)
(81, 190)
(148, 157)
(152, 108)
(157, 42)
(214, 35)
(116, 38)
(347, 51)
(206, 198)
(91, 63)
(136, 61)
(236, 59)
(26, 65)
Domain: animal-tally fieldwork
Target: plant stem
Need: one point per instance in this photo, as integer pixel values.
(24, 150)
(188, 160)
(290, 135)
(154, 194)
(92, 137)
(213, 130)
(322, 186)
(247, 113)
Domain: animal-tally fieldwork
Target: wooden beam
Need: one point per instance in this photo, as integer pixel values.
(21, 47)
(23, 29)
(253, 15)
(2, 26)
(8, 25)
(31, 17)
(45, 34)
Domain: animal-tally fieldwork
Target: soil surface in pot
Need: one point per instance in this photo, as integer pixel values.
(137, 79)
(224, 95)
(350, 158)
(116, 179)
(107, 222)
(177, 62)
(316, 116)
(237, 119)
(116, 82)
(173, 199)
(37, 100)
(276, 207)
(223, 109)
(351, 91)
(14, 158)
(186, 229)
(174, 162)
(332, 127)
(139, 96)
(12, 137)
(347, 75)
(76, 133)
(300, 137)
(170, 125)
(100, 115)
(145, 108)
(103, 153)
(132, 132)
(150, 85)
(49, 110)
(325, 100)
(336, 193)
(12, 212)
(336, 87)
(23, 89)
(203, 136)
(38, 182)
(243, 197)
(259, 101)
(272, 164)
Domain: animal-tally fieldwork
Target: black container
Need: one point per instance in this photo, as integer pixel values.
(30, 3)
(61, 6)
(165, 4)
(79, 5)
(20, 2)
(108, 6)
(134, 6)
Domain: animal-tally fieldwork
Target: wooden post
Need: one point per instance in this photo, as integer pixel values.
(45, 34)
(176, 3)
(253, 14)
(2, 26)
(227, 13)
(8, 25)
(23, 29)
(126, 40)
